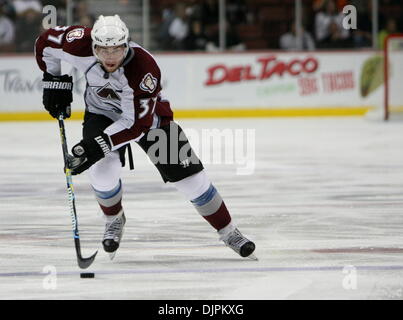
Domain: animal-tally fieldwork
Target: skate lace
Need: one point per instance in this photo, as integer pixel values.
(114, 228)
(236, 239)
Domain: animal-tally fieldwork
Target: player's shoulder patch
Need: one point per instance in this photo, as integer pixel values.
(149, 83)
(75, 34)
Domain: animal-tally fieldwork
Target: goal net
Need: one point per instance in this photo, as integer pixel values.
(393, 77)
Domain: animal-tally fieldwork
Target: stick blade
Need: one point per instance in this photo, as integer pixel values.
(84, 263)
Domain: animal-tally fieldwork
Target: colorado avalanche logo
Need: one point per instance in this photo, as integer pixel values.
(75, 34)
(107, 92)
(149, 83)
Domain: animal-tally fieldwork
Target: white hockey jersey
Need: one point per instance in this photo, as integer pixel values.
(130, 96)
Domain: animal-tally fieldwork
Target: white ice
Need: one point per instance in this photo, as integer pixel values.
(324, 206)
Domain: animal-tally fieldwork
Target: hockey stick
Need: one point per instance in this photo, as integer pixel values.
(83, 263)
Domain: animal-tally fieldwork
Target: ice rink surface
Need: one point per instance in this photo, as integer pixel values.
(324, 204)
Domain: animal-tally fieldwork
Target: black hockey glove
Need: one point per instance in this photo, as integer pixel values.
(87, 152)
(57, 94)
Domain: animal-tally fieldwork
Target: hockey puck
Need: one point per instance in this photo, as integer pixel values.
(87, 275)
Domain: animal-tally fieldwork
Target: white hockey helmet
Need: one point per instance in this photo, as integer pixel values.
(109, 31)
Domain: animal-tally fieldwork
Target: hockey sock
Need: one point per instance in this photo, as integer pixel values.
(212, 208)
(110, 201)
(206, 199)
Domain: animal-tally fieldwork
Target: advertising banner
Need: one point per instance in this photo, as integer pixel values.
(228, 81)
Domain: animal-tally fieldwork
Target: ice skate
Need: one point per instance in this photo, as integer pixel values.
(234, 239)
(113, 233)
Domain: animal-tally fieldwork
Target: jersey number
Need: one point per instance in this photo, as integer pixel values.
(145, 106)
(59, 38)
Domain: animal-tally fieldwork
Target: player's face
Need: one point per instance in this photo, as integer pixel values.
(111, 57)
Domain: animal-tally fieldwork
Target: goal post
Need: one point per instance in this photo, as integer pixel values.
(393, 77)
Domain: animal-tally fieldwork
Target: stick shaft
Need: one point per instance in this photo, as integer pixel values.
(82, 262)
(69, 181)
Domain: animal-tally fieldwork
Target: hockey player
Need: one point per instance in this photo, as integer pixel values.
(123, 105)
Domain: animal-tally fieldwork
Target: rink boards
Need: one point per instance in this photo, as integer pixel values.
(249, 84)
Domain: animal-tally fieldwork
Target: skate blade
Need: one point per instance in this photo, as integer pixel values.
(112, 255)
(252, 257)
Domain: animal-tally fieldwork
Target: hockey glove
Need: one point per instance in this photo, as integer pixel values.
(87, 152)
(57, 94)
